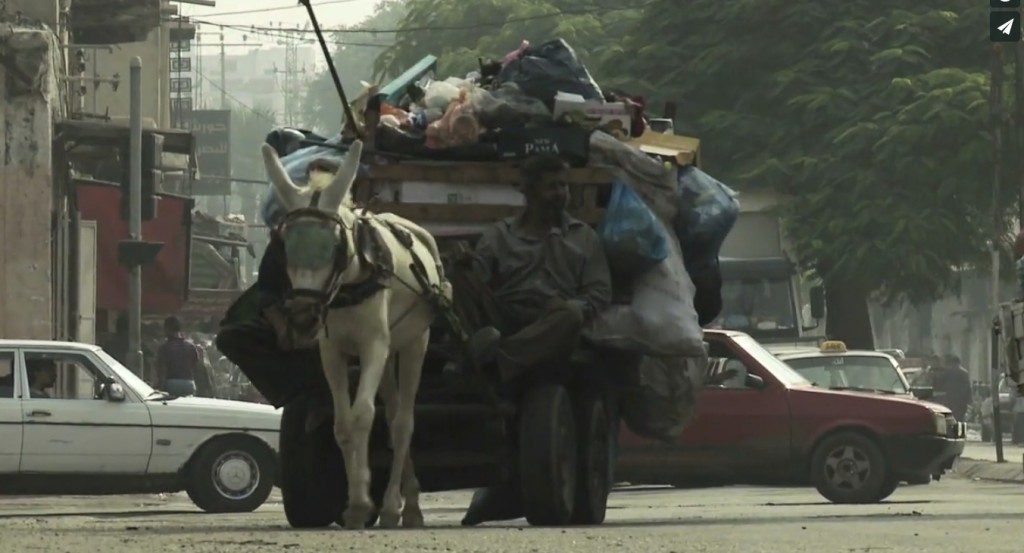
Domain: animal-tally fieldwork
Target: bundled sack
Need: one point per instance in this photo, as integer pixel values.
(296, 163)
(543, 71)
(631, 235)
(661, 319)
(708, 210)
(656, 184)
(663, 400)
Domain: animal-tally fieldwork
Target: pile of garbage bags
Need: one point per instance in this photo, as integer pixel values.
(536, 95)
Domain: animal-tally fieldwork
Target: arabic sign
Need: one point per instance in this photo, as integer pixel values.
(212, 129)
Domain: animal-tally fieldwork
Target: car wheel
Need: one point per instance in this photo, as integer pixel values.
(231, 475)
(890, 487)
(849, 468)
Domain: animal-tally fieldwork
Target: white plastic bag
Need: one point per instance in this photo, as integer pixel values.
(661, 320)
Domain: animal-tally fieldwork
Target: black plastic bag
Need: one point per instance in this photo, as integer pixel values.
(548, 69)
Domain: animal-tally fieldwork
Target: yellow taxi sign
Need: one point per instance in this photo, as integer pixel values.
(833, 346)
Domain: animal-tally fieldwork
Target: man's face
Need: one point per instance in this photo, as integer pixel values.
(551, 192)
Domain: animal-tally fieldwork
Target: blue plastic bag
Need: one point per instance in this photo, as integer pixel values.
(296, 163)
(632, 239)
(708, 210)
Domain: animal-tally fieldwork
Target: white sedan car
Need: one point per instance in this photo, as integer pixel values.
(75, 421)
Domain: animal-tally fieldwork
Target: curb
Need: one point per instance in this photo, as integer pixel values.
(1010, 472)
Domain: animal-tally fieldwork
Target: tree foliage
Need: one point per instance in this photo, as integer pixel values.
(872, 119)
(460, 33)
(354, 57)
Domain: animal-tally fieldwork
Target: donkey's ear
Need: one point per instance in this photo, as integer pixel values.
(286, 189)
(341, 186)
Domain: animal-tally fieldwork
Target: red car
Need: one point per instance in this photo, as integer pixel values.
(767, 424)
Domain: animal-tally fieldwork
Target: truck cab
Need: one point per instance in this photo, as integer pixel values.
(763, 294)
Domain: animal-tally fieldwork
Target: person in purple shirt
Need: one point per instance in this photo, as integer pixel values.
(176, 361)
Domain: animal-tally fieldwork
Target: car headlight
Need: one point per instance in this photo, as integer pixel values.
(940, 423)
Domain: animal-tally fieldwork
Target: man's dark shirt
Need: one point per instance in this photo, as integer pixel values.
(178, 357)
(526, 272)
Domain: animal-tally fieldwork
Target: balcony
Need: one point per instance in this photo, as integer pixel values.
(101, 22)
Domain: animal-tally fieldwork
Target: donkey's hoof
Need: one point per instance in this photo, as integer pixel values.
(412, 518)
(388, 520)
(356, 516)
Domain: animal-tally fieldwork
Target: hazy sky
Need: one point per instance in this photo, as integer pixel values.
(330, 13)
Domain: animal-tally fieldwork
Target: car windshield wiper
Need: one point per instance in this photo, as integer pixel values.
(859, 389)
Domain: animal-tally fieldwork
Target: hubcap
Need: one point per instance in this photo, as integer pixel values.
(236, 475)
(847, 468)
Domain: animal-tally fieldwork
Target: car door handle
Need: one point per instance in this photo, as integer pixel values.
(39, 413)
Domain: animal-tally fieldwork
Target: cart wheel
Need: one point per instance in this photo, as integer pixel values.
(313, 484)
(547, 456)
(314, 487)
(593, 442)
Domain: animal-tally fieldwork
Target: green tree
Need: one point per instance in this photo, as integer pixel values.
(872, 119)
(249, 127)
(354, 56)
(460, 33)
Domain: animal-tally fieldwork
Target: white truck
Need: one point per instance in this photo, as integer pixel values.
(762, 292)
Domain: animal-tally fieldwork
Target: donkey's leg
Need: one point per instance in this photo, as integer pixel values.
(410, 367)
(335, 366)
(388, 393)
(372, 357)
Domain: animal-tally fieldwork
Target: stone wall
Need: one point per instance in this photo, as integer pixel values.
(31, 100)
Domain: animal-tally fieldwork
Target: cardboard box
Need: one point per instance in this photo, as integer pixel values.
(611, 117)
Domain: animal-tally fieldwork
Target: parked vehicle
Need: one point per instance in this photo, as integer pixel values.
(767, 424)
(92, 427)
(1006, 418)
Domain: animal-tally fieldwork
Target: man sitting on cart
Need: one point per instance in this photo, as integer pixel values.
(527, 290)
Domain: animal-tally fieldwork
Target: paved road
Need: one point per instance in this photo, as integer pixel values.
(950, 516)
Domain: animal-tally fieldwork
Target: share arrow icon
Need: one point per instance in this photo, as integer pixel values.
(1004, 26)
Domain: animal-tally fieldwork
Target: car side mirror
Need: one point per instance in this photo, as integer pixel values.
(922, 392)
(114, 392)
(817, 303)
(754, 382)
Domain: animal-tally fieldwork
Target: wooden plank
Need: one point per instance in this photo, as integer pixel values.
(476, 173)
(467, 213)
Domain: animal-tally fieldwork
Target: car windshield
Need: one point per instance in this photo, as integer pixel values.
(863, 372)
(127, 376)
(763, 304)
(779, 370)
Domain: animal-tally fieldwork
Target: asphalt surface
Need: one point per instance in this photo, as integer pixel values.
(952, 515)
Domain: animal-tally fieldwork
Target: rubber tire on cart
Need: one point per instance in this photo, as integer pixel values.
(313, 483)
(849, 468)
(223, 458)
(548, 456)
(593, 449)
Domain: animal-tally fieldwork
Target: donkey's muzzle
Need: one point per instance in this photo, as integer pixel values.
(304, 316)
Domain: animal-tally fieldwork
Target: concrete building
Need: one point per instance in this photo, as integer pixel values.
(47, 281)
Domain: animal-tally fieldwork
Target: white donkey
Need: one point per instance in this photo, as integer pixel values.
(364, 284)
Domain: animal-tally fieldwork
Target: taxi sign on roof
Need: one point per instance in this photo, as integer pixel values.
(833, 346)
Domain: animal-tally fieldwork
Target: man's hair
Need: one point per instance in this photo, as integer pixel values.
(172, 324)
(535, 167)
(40, 364)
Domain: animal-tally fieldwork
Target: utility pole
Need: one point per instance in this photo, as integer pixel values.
(135, 213)
(998, 120)
(292, 73)
(222, 80)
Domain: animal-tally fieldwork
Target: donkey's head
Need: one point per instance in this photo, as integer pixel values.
(317, 234)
